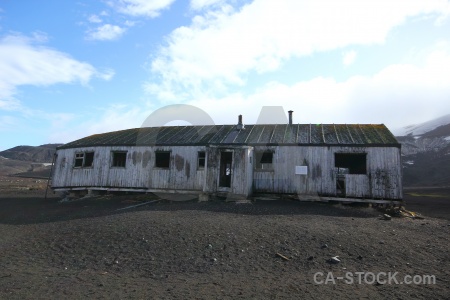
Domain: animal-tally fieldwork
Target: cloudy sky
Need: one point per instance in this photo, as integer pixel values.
(69, 69)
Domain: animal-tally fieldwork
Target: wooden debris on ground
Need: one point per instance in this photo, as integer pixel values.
(282, 256)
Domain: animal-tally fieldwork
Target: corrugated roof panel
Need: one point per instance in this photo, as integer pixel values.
(231, 136)
(255, 134)
(386, 136)
(102, 139)
(116, 138)
(130, 138)
(200, 133)
(303, 133)
(208, 134)
(343, 134)
(178, 136)
(266, 134)
(243, 134)
(163, 133)
(339, 134)
(221, 134)
(371, 135)
(329, 133)
(142, 135)
(278, 134)
(290, 134)
(316, 134)
(150, 138)
(365, 134)
(355, 132)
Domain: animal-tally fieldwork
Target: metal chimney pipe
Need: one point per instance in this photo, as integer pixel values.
(290, 117)
(239, 125)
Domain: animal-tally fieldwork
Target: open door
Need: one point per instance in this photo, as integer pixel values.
(226, 158)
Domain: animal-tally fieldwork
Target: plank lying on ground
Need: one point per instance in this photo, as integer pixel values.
(140, 204)
(282, 256)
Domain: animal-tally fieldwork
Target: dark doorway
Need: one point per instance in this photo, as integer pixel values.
(226, 157)
(340, 185)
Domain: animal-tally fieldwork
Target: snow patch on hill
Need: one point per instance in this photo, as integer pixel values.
(420, 129)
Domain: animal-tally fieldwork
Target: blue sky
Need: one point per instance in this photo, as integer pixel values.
(69, 69)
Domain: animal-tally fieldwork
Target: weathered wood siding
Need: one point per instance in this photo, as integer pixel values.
(382, 181)
(212, 169)
(241, 170)
(282, 179)
(385, 173)
(357, 185)
(140, 171)
(383, 178)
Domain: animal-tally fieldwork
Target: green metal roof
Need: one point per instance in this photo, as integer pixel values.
(276, 134)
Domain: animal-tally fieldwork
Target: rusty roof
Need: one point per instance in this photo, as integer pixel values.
(276, 134)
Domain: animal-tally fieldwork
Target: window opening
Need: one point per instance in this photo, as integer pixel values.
(162, 159)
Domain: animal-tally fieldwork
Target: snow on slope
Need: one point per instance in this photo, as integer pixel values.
(419, 129)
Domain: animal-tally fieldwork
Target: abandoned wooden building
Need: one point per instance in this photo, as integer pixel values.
(326, 161)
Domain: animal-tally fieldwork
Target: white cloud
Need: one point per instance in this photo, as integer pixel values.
(107, 74)
(7, 102)
(114, 117)
(24, 62)
(106, 32)
(94, 19)
(392, 96)
(349, 57)
(201, 4)
(223, 45)
(147, 8)
(398, 95)
(129, 23)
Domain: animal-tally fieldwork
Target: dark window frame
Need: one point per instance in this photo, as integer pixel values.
(78, 161)
(351, 163)
(264, 160)
(88, 159)
(119, 159)
(162, 159)
(84, 159)
(201, 160)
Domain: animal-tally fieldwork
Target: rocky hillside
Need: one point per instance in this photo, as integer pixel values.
(38, 154)
(426, 153)
(12, 166)
(28, 161)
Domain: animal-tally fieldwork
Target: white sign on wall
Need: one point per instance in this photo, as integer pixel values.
(301, 170)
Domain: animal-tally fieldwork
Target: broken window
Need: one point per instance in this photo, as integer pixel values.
(88, 159)
(119, 159)
(79, 157)
(162, 159)
(85, 159)
(201, 160)
(264, 160)
(350, 163)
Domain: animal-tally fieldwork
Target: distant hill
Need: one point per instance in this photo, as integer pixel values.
(426, 153)
(428, 168)
(422, 128)
(38, 154)
(12, 166)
